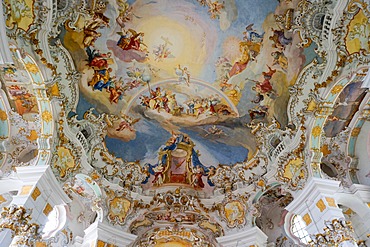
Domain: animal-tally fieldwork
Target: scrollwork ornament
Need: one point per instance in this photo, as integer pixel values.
(291, 166)
(29, 235)
(304, 21)
(233, 210)
(336, 232)
(120, 205)
(18, 220)
(173, 234)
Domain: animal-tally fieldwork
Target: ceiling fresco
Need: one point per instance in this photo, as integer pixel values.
(194, 69)
(182, 122)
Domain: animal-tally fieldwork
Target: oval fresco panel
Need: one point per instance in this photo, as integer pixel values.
(194, 69)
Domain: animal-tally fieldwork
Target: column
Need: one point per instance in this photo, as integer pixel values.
(324, 219)
(100, 234)
(362, 208)
(39, 193)
(252, 237)
(5, 237)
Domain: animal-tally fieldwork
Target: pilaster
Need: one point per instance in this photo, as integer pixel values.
(5, 237)
(38, 194)
(316, 204)
(362, 208)
(319, 210)
(40, 191)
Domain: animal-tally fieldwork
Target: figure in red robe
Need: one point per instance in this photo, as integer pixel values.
(197, 181)
(265, 86)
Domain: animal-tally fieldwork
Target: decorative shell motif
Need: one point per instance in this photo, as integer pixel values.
(233, 209)
(234, 213)
(119, 207)
(65, 162)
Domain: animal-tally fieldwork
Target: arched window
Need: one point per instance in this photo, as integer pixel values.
(298, 229)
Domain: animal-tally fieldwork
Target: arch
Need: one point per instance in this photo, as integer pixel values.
(319, 122)
(45, 111)
(288, 224)
(175, 80)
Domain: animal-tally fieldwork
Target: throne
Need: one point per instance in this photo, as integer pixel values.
(178, 163)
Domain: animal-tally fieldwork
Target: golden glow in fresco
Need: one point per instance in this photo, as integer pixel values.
(183, 43)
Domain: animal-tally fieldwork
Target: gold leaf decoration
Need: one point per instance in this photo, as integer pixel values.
(46, 116)
(321, 205)
(35, 194)
(331, 202)
(316, 131)
(3, 115)
(336, 89)
(356, 131)
(32, 68)
(307, 219)
(48, 208)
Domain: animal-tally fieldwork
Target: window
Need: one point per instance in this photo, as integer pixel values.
(298, 228)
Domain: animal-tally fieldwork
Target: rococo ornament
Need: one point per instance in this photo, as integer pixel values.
(337, 231)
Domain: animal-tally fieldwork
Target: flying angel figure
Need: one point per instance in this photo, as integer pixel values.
(251, 35)
(214, 131)
(183, 74)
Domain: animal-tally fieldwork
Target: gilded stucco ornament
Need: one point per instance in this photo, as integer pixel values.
(185, 208)
(30, 235)
(294, 172)
(338, 161)
(291, 166)
(180, 206)
(30, 33)
(351, 46)
(274, 143)
(3, 115)
(46, 116)
(127, 174)
(25, 139)
(179, 200)
(18, 220)
(20, 15)
(336, 232)
(306, 21)
(67, 155)
(14, 217)
(65, 160)
(67, 78)
(174, 236)
(233, 210)
(120, 205)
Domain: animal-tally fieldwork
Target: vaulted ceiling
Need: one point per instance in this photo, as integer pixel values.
(230, 105)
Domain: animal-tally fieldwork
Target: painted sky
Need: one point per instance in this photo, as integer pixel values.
(198, 42)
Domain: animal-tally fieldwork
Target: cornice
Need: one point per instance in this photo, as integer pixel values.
(314, 188)
(109, 234)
